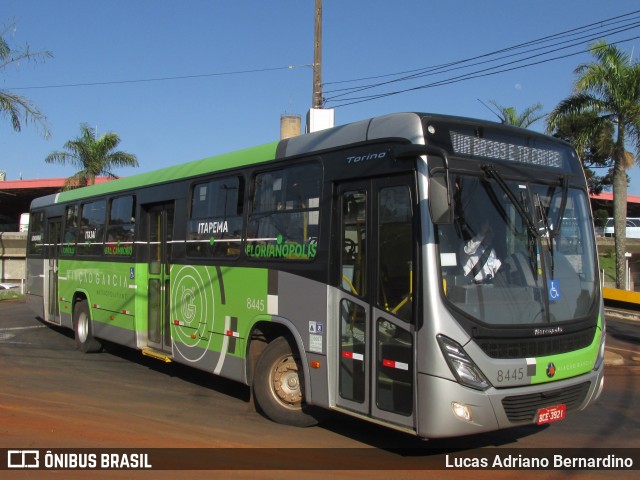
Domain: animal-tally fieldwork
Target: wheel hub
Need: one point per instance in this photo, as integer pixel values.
(286, 382)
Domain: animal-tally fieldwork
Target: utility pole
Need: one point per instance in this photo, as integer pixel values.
(317, 101)
(318, 117)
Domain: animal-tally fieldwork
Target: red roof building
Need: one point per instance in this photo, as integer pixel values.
(16, 197)
(604, 201)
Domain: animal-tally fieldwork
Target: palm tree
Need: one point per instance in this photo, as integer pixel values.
(509, 116)
(20, 109)
(595, 146)
(92, 156)
(610, 88)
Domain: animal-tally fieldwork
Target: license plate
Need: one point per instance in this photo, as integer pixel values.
(552, 414)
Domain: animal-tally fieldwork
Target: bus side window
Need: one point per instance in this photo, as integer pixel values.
(36, 234)
(92, 223)
(215, 223)
(285, 214)
(70, 235)
(395, 251)
(121, 226)
(354, 242)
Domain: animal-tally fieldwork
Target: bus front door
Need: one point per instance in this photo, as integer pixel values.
(374, 304)
(50, 290)
(158, 226)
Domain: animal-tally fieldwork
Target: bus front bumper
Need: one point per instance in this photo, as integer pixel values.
(450, 409)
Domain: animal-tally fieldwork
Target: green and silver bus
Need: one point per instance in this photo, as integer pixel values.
(334, 271)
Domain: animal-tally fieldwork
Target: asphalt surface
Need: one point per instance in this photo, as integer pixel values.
(628, 318)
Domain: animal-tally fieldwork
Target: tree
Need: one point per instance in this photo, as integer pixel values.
(92, 156)
(20, 109)
(594, 143)
(509, 116)
(609, 88)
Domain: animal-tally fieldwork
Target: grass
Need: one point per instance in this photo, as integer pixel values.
(10, 294)
(608, 264)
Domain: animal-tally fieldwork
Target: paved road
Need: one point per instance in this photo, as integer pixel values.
(53, 396)
(623, 337)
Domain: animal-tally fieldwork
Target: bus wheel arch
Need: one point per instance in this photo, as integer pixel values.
(82, 327)
(277, 378)
(262, 333)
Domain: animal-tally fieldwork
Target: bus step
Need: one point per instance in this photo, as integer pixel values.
(157, 354)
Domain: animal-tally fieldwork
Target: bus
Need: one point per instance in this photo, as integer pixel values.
(329, 272)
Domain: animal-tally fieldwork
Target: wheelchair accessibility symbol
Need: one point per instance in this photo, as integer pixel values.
(553, 287)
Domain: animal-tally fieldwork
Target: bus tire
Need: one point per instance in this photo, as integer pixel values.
(278, 386)
(85, 342)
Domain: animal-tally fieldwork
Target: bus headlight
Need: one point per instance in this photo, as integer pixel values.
(463, 368)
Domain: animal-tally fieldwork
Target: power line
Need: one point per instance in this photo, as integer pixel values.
(159, 79)
(430, 71)
(591, 26)
(629, 21)
(468, 76)
(603, 29)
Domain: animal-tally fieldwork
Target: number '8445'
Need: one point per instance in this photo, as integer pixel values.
(255, 304)
(510, 375)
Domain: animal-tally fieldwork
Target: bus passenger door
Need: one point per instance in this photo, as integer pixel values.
(375, 298)
(158, 228)
(50, 290)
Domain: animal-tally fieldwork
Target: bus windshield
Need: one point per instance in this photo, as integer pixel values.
(518, 253)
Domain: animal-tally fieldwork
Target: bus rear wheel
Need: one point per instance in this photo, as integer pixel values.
(85, 342)
(278, 386)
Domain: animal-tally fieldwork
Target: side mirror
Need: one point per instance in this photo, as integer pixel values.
(440, 202)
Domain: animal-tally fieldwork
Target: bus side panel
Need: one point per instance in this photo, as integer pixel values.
(215, 309)
(110, 293)
(305, 303)
(35, 285)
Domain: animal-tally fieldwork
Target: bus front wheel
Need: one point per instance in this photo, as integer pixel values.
(278, 386)
(82, 328)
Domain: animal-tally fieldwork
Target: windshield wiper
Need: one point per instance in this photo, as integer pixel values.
(549, 234)
(491, 171)
(563, 206)
(546, 226)
(552, 233)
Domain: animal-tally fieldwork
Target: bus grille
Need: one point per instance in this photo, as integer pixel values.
(536, 347)
(523, 408)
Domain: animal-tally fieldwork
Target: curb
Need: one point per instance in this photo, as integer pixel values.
(622, 314)
(610, 358)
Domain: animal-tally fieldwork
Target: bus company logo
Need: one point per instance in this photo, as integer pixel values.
(363, 158)
(551, 370)
(547, 331)
(188, 303)
(23, 459)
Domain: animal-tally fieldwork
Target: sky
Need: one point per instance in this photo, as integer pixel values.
(184, 80)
